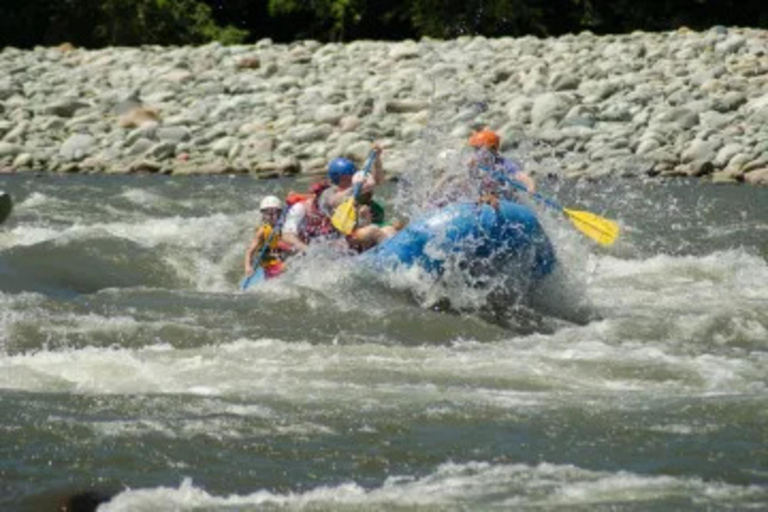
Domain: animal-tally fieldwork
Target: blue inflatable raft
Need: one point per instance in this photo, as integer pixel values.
(497, 239)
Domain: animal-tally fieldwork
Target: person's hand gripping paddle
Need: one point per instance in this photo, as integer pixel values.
(345, 217)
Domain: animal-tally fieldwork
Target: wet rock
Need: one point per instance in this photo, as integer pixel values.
(757, 177)
(77, 147)
(65, 108)
(139, 117)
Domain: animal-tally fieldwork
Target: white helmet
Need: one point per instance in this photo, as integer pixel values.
(270, 202)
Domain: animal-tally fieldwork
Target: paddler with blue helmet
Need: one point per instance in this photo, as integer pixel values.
(310, 218)
(343, 174)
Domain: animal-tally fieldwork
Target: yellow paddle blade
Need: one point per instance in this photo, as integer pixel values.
(345, 217)
(599, 229)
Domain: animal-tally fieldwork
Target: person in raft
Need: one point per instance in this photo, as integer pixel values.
(310, 219)
(486, 166)
(272, 261)
(305, 221)
(344, 176)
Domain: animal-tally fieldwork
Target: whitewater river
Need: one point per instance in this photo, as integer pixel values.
(131, 365)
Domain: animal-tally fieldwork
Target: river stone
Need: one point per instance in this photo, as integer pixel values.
(411, 131)
(8, 89)
(564, 82)
(757, 177)
(162, 150)
(548, 109)
(17, 133)
(731, 45)
(699, 150)
(235, 151)
(404, 106)
(65, 108)
(646, 146)
(518, 110)
(140, 146)
(173, 134)
(727, 152)
(178, 76)
(359, 151)
(756, 163)
(77, 147)
(729, 102)
(737, 162)
(222, 146)
(22, 160)
(404, 50)
(330, 114)
(309, 133)
(349, 123)
(147, 131)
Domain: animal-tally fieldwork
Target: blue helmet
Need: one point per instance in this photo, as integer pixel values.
(340, 167)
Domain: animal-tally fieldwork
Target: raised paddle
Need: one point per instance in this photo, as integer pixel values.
(258, 274)
(599, 229)
(6, 205)
(345, 217)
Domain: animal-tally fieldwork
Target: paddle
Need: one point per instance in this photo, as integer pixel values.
(6, 205)
(345, 217)
(599, 229)
(258, 274)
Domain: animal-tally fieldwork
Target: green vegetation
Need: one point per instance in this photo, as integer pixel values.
(95, 23)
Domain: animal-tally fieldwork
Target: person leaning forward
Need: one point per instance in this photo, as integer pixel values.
(343, 175)
(487, 163)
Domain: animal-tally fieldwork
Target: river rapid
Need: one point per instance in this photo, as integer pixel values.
(131, 364)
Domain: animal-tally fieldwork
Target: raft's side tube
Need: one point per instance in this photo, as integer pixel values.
(508, 233)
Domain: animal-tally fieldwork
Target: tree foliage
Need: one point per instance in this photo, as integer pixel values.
(94, 23)
(334, 18)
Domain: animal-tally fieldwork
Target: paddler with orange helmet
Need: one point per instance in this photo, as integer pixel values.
(487, 166)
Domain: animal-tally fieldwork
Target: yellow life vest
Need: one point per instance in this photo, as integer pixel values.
(270, 257)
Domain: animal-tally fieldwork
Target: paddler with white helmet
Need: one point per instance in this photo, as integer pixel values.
(268, 233)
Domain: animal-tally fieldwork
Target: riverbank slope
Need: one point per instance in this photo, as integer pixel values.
(641, 104)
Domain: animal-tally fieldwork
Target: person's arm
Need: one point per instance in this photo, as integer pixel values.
(292, 225)
(515, 172)
(258, 240)
(295, 242)
(378, 169)
(334, 199)
(526, 180)
(442, 182)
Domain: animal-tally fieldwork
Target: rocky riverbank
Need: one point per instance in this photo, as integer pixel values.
(641, 104)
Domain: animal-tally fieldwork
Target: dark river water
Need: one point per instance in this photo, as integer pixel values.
(131, 364)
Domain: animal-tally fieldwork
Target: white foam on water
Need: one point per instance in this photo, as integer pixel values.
(200, 249)
(20, 317)
(521, 372)
(683, 429)
(460, 487)
(35, 200)
(149, 199)
(682, 325)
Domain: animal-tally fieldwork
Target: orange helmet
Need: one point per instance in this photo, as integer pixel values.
(485, 138)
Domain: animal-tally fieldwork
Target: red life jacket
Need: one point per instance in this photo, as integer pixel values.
(317, 224)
